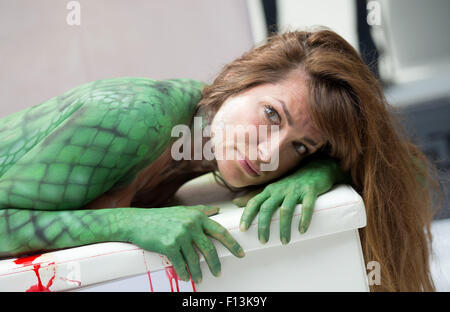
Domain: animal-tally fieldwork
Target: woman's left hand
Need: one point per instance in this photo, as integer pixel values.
(303, 186)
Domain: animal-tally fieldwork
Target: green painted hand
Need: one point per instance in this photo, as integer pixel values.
(174, 231)
(303, 186)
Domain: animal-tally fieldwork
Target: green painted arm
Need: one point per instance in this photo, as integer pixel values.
(172, 231)
(315, 177)
(58, 156)
(67, 151)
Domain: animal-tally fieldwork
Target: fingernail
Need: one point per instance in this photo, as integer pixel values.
(284, 241)
(262, 240)
(238, 251)
(241, 252)
(242, 227)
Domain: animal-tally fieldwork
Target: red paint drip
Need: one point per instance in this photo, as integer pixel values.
(150, 280)
(171, 274)
(39, 287)
(26, 261)
(69, 280)
(148, 272)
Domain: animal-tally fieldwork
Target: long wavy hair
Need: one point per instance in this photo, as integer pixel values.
(394, 178)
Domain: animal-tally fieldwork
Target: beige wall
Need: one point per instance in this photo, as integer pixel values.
(340, 16)
(41, 56)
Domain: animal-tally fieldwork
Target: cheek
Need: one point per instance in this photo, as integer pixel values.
(286, 162)
(234, 131)
(243, 114)
(283, 167)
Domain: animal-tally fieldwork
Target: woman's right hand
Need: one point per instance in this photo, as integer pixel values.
(174, 231)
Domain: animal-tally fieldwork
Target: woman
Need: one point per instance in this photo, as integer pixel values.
(315, 90)
(354, 124)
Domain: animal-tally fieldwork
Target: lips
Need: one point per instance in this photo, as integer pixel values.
(248, 166)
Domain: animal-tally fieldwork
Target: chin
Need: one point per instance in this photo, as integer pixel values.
(237, 183)
(233, 175)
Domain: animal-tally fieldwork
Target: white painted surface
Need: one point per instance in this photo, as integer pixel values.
(440, 261)
(327, 257)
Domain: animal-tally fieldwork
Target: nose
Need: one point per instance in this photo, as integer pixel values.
(269, 146)
(264, 151)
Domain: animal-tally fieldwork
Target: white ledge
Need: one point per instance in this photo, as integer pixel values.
(337, 211)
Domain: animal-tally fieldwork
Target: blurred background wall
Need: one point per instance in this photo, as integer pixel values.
(41, 55)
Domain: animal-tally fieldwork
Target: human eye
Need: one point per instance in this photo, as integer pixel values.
(301, 148)
(272, 114)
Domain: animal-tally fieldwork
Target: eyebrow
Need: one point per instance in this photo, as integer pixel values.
(289, 120)
(286, 112)
(311, 142)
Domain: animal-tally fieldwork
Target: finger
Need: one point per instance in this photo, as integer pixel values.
(242, 201)
(208, 251)
(207, 210)
(286, 212)
(251, 210)
(193, 263)
(307, 210)
(177, 260)
(217, 231)
(265, 217)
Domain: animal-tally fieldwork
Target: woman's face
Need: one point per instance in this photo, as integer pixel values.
(249, 116)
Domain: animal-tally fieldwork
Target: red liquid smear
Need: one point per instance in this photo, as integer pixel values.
(148, 272)
(150, 280)
(192, 282)
(71, 281)
(171, 274)
(26, 261)
(39, 287)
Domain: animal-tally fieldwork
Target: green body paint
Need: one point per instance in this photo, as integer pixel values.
(65, 152)
(57, 156)
(316, 177)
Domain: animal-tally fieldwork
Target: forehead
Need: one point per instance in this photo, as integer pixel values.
(292, 91)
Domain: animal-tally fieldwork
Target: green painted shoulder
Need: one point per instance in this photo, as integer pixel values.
(93, 138)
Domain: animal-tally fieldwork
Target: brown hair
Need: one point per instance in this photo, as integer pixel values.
(347, 104)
